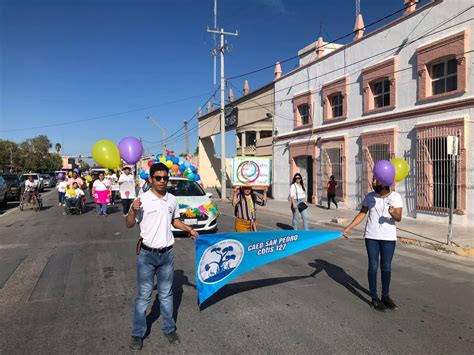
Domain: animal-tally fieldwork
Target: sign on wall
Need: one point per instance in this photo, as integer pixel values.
(231, 117)
(254, 171)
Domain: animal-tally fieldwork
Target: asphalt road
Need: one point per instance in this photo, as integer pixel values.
(67, 285)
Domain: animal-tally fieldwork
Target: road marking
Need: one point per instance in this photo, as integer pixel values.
(8, 267)
(53, 279)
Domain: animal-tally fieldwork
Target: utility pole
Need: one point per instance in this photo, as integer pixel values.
(163, 131)
(186, 137)
(222, 49)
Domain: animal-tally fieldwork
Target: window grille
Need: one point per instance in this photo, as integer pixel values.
(332, 163)
(304, 113)
(444, 77)
(381, 93)
(433, 171)
(371, 154)
(337, 105)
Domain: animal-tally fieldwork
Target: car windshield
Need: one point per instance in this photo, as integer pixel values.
(185, 188)
(45, 176)
(25, 177)
(10, 178)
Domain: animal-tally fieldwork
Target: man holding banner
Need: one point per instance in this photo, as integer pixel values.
(155, 211)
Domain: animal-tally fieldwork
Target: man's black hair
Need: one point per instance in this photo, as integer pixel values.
(126, 167)
(158, 167)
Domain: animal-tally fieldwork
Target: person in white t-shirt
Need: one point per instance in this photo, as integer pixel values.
(62, 187)
(127, 189)
(101, 185)
(384, 208)
(30, 187)
(298, 198)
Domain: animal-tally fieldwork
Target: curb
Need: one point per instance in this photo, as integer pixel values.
(340, 222)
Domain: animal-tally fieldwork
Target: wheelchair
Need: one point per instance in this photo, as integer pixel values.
(36, 201)
(70, 208)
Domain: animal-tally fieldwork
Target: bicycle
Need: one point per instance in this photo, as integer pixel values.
(36, 201)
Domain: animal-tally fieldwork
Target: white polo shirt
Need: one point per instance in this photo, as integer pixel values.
(155, 217)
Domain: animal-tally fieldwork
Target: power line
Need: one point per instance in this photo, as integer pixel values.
(104, 116)
(364, 59)
(319, 47)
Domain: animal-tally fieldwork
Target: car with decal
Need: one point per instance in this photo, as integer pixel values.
(195, 205)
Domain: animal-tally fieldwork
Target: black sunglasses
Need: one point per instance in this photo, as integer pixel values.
(298, 178)
(159, 178)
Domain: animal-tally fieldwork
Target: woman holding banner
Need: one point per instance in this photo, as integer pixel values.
(244, 201)
(383, 208)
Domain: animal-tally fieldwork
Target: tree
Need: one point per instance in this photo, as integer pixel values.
(196, 152)
(34, 155)
(8, 155)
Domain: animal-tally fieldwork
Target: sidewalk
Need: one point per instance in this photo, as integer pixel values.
(410, 231)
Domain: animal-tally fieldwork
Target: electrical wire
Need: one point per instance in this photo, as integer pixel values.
(319, 47)
(105, 116)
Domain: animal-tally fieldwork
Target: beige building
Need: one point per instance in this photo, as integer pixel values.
(251, 116)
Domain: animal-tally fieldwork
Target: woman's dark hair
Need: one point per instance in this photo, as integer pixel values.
(158, 167)
(301, 182)
(331, 177)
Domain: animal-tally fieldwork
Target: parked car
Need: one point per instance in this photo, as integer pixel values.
(48, 180)
(13, 186)
(3, 192)
(195, 206)
(36, 177)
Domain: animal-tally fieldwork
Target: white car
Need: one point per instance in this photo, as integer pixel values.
(195, 206)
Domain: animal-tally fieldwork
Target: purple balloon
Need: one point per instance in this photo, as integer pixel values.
(130, 149)
(384, 172)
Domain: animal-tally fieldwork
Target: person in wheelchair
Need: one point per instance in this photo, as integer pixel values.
(74, 196)
(31, 187)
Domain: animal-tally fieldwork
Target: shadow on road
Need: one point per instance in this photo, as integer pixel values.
(339, 275)
(179, 280)
(235, 288)
(284, 226)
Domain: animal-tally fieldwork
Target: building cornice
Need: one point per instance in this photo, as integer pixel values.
(395, 116)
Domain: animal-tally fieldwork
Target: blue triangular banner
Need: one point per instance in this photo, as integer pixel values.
(220, 258)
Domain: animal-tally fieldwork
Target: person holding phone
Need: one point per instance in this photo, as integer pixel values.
(383, 208)
(155, 211)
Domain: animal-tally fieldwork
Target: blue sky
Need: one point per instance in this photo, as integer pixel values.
(116, 62)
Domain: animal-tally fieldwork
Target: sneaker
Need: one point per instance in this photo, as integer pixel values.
(124, 215)
(59, 204)
(388, 302)
(173, 337)
(136, 343)
(378, 305)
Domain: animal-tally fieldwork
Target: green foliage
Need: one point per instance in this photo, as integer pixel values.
(30, 155)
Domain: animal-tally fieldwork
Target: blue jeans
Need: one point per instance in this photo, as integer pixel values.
(148, 265)
(385, 249)
(101, 208)
(304, 216)
(61, 197)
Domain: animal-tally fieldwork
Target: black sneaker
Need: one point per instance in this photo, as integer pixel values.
(136, 343)
(388, 302)
(173, 337)
(378, 305)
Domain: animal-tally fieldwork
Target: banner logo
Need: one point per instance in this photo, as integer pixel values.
(220, 260)
(248, 172)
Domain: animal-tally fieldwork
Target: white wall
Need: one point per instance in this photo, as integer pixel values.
(349, 62)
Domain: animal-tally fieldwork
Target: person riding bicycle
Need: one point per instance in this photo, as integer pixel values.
(30, 188)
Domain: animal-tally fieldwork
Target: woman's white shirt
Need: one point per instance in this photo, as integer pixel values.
(297, 192)
(380, 224)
